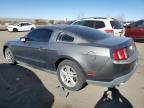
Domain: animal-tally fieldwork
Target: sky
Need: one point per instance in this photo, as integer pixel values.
(72, 9)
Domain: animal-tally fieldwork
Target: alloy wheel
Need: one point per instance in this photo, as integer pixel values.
(68, 76)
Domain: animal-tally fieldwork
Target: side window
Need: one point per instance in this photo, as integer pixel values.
(132, 25)
(64, 37)
(40, 35)
(79, 23)
(140, 24)
(27, 24)
(135, 24)
(22, 24)
(89, 23)
(99, 24)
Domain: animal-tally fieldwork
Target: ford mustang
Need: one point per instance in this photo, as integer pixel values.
(77, 54)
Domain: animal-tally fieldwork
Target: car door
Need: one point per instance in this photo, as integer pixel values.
(140, 30)
(33, 50)
(27, 26)
(135, 30)
(59, 41)
(24, 27)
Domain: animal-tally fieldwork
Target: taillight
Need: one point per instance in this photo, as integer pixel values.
(120, 54)
(109, 31)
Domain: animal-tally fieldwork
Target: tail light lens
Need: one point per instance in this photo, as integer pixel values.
(109, 31)
(120, 54)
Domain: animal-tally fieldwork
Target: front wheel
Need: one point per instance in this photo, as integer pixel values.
(9, 56)
(15, 30)
(70, 75)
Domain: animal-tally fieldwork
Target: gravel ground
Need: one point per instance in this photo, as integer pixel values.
(42, 88)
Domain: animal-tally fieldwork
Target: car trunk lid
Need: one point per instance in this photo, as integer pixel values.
(118, 46)
(115, 42)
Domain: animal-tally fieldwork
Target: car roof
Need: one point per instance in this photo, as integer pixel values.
(87, 33)
(23, 22)
(69, 28)
(57, 26)
(140, 20)
(65, 27)
(97, 18)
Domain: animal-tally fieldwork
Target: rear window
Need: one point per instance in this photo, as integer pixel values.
(88, 34)
(116, 25)
(92, 35)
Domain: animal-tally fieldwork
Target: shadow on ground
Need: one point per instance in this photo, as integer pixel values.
(117, 100)
(139, 40)
(21, 88)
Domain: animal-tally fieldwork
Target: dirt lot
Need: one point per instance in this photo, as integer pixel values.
(131, 95)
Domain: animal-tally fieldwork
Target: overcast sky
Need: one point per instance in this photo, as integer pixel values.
(71, 9)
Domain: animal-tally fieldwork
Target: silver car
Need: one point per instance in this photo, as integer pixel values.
(77, 54)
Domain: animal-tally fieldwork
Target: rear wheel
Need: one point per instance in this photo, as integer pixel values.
(15, 30)
(32, 29)
(9, 56)
(70, 75)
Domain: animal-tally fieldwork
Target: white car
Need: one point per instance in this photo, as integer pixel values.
(24, 26)
(108, 25)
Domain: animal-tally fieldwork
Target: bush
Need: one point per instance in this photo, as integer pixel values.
(40, 22)
(51, 21)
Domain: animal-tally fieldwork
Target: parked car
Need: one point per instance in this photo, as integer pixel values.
(108, 25)
(77, 54)
(135, 30)
(23, 26)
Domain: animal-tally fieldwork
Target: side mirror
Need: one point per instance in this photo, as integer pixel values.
(23, 39)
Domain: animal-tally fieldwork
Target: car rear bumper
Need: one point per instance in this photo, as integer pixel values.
(116, 82)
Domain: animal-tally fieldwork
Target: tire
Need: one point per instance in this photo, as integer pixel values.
(9, 56)
(70, 75)
(15, 30)
(32, 29)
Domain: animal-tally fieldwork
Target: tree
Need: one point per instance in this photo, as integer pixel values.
(40, 22)
(51, 21)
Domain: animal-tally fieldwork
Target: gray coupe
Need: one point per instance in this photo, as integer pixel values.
(77, 54)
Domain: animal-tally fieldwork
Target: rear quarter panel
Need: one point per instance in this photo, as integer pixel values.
(89, 58)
